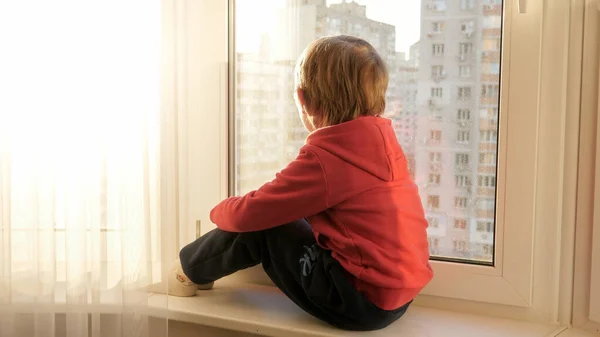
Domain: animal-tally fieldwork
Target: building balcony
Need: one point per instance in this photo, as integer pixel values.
(435, 35)
(433, 8)
(485, 214)
(435, 167)
(462, 58)
(490, 56)
(487, 100)
(464, 123)
(483, 237)
(492, 32)
(486, 169)
(486, 191)
(490, 78)
(488, 124)
(487, 147)
(438, 77)
(495, 9)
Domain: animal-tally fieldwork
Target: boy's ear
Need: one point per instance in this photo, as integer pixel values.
(301, 99)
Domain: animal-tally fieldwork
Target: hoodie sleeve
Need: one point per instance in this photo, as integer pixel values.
(298, 191)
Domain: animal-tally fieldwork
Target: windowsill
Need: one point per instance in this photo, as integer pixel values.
(263, 310)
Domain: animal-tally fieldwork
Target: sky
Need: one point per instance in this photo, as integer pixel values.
(255, 17)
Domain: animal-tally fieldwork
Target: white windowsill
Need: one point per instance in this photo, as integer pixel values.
(264, 310)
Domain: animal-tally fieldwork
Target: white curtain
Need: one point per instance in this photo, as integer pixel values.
(83, 167)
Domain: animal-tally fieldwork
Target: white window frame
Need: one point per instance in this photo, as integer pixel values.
(529, 196)
(586, 230)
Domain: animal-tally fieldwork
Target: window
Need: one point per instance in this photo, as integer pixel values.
(491, 68)
(467, 28)
(437, 49)
(459, 246)
(433, 222)
(437, 5)
(461, 202)
(460, 223)
(438, 27)
(466, 5)
(434, 179)
(435, 157)
(462, 181)
(491, 44)
(492, 22)
(462, 159)
(488, 136)
(464, 71)
(436, 92)
(433, 202)
(490, 90)
(486, 204)
(487, 158)
(524, 48)
(485, 226)
(437, 71)
(464, 93)
(463, 114)
(435, 136)
(465, 48)
(463, 137)
(486, 181)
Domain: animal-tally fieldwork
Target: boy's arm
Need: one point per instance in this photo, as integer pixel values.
(298, 191)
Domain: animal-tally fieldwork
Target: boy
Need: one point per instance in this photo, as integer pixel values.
(341, 230)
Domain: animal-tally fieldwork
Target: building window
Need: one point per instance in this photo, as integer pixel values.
(433, 222)
(463, 114)
(488, 136)
(436, 92)
(467, 27)
(467, 5)
(461, 202)
(463, 137)
(464, 93)
(465, 48)
(435, 136)
(491, 44)
(438, 27)
(490, 90)
(464, 71)
(487, 159)
(435, 157)
(437, 49)
(434, 179)
(459, 246)
(460, 223)
(486, 204)
(486, 181)
(461, 159)
(462, 181)
(437, 71)
(433, 202)
(485, 226)
(492, 22)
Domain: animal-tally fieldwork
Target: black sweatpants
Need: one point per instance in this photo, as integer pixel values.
(290, 256)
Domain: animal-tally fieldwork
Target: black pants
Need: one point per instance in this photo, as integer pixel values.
(306, 273)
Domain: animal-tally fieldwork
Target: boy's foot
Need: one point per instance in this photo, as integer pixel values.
(178, 284)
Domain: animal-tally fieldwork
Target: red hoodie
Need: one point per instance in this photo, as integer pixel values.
(351, 182)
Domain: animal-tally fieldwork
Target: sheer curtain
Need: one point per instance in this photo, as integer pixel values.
(84, 161)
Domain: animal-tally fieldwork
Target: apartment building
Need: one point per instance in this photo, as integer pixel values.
(458, 92)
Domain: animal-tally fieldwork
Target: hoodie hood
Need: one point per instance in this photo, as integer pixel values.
(368, 143)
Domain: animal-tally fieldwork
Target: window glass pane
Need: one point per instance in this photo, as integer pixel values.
(444, 64)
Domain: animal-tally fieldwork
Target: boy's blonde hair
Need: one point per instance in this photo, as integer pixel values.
(342, 77)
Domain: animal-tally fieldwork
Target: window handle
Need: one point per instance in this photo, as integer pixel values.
(522, 6)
